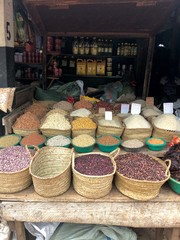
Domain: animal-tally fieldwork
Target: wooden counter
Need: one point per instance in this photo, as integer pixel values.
(113, 209)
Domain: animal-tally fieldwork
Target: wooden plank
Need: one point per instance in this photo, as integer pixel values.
(132, 214)
(148, 67)
(20, 230)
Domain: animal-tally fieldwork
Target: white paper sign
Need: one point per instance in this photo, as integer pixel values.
(135, 108)
(108, 115)
(124, 108)
(168, 108)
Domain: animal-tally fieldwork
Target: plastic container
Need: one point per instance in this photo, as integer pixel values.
(155, 147)
(84, 149)
(108, 148)
(174, 185)
(15, 141)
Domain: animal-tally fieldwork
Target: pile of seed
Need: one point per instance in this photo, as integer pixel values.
(83, 123)
(38, 109)
(133, 143)
(27, 121)
(94, 164)
(102, 104)
(9, 140)
(83, 104)
(64, 105)
(81, 112)
(83, 140)
(33, 139)
(108, 140)
(14, 158)
(140, 167)
(58, 141)
(56, 121)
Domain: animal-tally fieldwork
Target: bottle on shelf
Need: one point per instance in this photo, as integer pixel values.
(81, 46)
(94, 47)
(110, 47)
(118, 49)
(99, 46)
(87, 46)
(122, 49)
(106, 47)
(75, 48)
(102, 47)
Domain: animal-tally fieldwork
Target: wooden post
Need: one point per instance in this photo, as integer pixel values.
(6, 44)
(149, 60)
(20, 230)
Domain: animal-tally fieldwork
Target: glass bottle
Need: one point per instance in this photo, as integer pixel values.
(106, 47)
(75, 46)
(81, 46)
(86, 46)
(99, 46)
(110, 47)
(94, 47)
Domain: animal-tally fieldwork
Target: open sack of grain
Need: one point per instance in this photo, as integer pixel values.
(113, 127)
(136, 127)
(166, 126)
(83, 125)
(55, 124)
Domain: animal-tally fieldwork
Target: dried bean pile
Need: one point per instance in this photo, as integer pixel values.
(83, 104)
(174, 155)
(65, 105)
(102, 104)
(108, 140)
(33, 139)
(94, 164)
(140, 167)
(14, 158)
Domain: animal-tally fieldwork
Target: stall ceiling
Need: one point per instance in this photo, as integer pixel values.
(89, 17)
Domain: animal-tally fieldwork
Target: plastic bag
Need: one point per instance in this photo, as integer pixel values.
(4, 230)
(70, 231)
(42, 231)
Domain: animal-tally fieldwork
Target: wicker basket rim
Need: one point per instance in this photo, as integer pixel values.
(17, 172)
(19, 129)
(166, 130)
(147, 181)
(51, 177)
(93, 176)
(45, 129)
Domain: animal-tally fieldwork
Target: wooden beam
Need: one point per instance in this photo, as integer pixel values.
(113, 34)
(148, 67)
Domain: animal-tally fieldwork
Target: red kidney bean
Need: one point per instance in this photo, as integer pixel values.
(102, 104)
(14, 158)
(140, 166)
(94, 164)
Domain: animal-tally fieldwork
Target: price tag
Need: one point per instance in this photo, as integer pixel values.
(108, 115)
(168, 108)
(124, 108)
(135, 108)
(150, 101)
(102, 111)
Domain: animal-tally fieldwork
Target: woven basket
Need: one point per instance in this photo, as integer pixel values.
(51, 171)
(141, 189)
(106, 130)
(167, 135)
(15, 181)
(55, 132)
(24, 132)
(138, 133)
(91, 132)
(94, 186)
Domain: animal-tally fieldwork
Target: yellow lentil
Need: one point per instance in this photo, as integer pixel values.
(83, 123)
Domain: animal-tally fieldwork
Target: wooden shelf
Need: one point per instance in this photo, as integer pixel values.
(35, 65)
(87, 76)
(95, 56)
